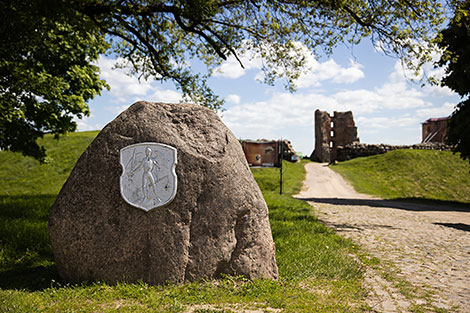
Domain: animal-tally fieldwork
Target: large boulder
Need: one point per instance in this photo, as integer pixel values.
(217, 223)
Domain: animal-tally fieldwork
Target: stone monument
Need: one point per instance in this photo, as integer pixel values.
(163, 194)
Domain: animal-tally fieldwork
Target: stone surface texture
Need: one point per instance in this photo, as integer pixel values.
(322, 137)
(344, 131)
(218, 222)
(356, 150)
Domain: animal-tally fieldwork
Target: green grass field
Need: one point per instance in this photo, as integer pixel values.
(317, 272)
(410, 174)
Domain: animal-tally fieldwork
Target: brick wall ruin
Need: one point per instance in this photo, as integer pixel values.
(332, 132)
(336, 138)
(434, 130)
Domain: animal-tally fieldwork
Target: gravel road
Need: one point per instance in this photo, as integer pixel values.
(427, 245)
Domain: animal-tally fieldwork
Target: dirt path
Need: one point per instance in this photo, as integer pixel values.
(429, 246)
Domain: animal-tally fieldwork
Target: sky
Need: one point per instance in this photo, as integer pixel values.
(387, 106)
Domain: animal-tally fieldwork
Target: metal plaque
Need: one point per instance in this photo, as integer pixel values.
(148, 179)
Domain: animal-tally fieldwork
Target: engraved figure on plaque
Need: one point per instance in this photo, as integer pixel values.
(148, 179)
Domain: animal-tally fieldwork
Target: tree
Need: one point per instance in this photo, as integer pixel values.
(46, 72)
(159, 39)
(458, 129)
(455, 42)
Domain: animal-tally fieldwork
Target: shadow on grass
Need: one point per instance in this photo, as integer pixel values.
(29, 278)
(26, 260)
(410, 204)
(26, 206)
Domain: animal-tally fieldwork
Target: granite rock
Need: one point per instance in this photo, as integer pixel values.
(217, 223)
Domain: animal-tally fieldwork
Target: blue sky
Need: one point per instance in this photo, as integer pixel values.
(387, 106)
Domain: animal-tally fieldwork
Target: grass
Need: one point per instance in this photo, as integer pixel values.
(25, 176)
(317, 273)
(410, 174)
(303, 246)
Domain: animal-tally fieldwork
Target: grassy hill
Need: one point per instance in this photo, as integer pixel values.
(412, 174)
(317, 271)
(25, 176)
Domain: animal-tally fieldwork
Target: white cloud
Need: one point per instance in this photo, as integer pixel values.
(316, 72)
(404, 74)
(436, 90)
(85, 124)
(232, 68)
(233, 98)
(128, 89)
(359, 100)
(445, 110)
(117, 109)
(123, 86)
(292, 110)
(399, 95)
(381, 122)
(166, 95)
(399, 92)
(329, 70)
(350, 74)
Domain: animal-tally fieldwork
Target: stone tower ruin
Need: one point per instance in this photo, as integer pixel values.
(332, 132)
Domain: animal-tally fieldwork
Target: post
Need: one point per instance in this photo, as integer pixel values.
(281, 148)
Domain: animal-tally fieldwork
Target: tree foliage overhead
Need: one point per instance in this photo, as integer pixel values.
(158, 38)
(59, 40)
(455, 42)
(46, 75)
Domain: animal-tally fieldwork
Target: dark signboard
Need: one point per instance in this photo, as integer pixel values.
(262, 153)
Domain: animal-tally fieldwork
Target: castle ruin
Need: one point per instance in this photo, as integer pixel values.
(332, 132)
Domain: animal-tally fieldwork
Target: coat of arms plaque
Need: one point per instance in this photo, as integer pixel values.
(148, 178)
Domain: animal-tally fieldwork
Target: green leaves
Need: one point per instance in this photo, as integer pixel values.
(47, 47)
(455, 42)
(46, 75)
(157, 37)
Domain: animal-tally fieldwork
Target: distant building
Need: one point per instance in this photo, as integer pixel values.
(435, 130)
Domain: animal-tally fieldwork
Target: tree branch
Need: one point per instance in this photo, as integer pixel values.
(250, 31)
(234, 53)
(359, 20)
(192, 29)
(96, 9)
(153, 52)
